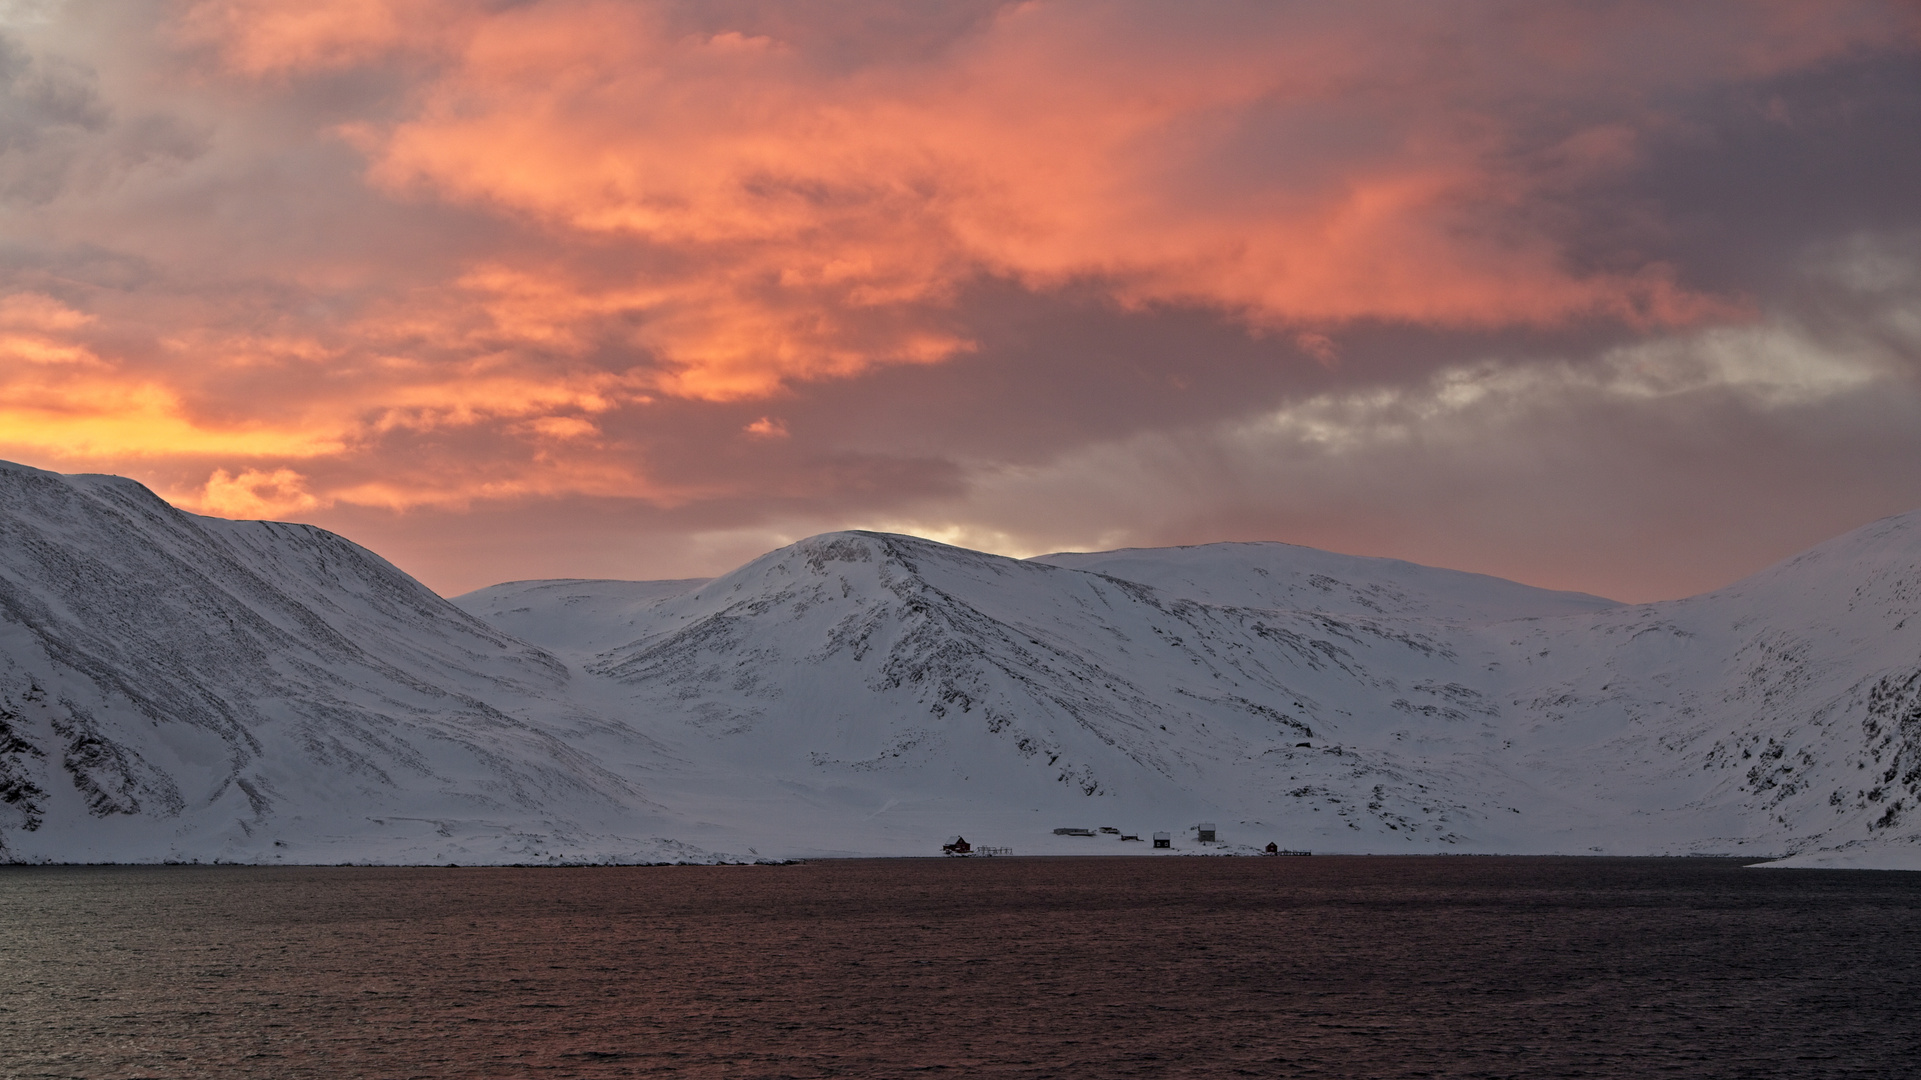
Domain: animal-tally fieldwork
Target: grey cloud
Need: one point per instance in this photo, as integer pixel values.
(56, 131)
(1738, 181)
(1662, 468)
(45, 107)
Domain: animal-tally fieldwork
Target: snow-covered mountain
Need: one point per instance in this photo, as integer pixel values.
(176, 686)
(182, 687)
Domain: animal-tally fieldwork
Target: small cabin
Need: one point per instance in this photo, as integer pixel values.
(957, 845)
(1206, 830)
(1162, 839)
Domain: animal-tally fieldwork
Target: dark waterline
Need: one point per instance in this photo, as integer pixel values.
(1322, 967)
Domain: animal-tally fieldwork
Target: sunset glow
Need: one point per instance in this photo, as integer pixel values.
(1068, 275)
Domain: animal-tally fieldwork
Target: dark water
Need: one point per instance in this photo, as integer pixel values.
(1323, 967)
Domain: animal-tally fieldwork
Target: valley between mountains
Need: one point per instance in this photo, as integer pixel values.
(176, 687)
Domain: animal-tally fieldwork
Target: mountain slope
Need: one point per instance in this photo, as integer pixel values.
(1782, 712)
(174, 686)
(573, 613)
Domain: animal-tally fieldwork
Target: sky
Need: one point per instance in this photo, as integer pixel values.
(1612, 295)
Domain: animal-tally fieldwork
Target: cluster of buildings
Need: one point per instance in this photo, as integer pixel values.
(1204, 833)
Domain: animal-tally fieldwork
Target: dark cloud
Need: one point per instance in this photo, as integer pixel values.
(1745, 178)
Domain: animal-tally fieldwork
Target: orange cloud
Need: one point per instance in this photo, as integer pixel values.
(550, 221)
(32, 331)
(38, 313)
(64, 398)
(105, 415)
(254, 494)
(808, 222)
(744, 210)
(451, 483)
(258, 37)
(58, 395)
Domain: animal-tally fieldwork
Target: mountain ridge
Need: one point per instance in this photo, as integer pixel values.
(177, 687)
(1274, 574)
